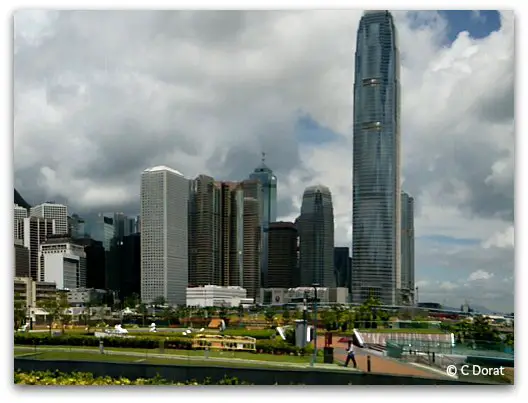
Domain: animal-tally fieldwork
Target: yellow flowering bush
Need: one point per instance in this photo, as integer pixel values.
(87, 379)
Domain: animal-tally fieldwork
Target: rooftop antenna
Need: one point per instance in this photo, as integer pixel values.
(263, 157)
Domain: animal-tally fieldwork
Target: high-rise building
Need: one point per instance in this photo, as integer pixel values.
(53, 211)
(95, 263)
(64, 262)
(376, 162)
(251, 274)
(21, 259)
(282, 255)
(18, 221)
(164, 235)
(268, 209)
(35, 232)
(343, 267)
(315, 226)
(124, 275)
(407, 249)
(76, 227)
(103, 229)
(205, 209)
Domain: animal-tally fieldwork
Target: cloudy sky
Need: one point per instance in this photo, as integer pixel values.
(100, 96)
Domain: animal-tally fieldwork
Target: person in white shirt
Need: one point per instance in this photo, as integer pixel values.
(350, 355)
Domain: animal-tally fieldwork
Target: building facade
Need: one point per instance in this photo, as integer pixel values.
(76, 227)
(64, 263)
(95, 262)
(407, 249)
(35, 232)
(376, 161)
(315, 227)
(53, 211)
(343, 267)
(282, 296)
(205, 240)
(18, 219)
(214, 295)
(21, 259)
(268, 209)
(164, 235)
(282, 255)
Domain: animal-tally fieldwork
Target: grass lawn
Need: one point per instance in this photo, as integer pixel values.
(95, 356)
(240, 355)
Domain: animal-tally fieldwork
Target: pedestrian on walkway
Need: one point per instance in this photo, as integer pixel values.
(350, 355)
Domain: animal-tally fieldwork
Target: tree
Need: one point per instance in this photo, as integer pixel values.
(482, 332)
(63, 305)
(286, 316)
(143, 311)
(87, 312)
(159, 301)
(269, 314)
(131, 301)
(56, 307)
(19, 310)
(167, 314)
(222, 313)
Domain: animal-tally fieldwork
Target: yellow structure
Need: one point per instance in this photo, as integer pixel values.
(237, 343)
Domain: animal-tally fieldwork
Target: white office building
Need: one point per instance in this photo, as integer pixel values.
(215, 295)
(53, 211)
(64, 263)
(164, 235)
(18, 221)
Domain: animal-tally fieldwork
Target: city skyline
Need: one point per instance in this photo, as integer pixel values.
(458, 165)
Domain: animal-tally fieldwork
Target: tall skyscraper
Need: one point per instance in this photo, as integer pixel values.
(35, 232)
(268, 209)
(407, 248)
(376, 167)
(18, 221)
(102, 229)
(53, 211)
(343, 267)
(164, 235)
(315, 226)
(282, 255)
(205, 209)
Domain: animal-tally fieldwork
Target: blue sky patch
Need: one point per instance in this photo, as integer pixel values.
(447, 240)
(308, 131)
(479, 23)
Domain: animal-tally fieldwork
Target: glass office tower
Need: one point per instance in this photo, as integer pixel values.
(376, 167)
(268, 212)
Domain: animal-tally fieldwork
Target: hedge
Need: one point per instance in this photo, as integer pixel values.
(275, 346)
(264, 334)
(83, 340)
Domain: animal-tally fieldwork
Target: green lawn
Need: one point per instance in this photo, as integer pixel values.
(95, 356)
(240, 355)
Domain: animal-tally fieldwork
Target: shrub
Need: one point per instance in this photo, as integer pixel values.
(264, 334)
(85, 378)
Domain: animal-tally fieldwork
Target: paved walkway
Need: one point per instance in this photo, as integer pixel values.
(378, 364)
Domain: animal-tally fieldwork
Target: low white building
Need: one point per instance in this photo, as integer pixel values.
(281, 296)
(84, 296)
(215, 295)
(64, 263)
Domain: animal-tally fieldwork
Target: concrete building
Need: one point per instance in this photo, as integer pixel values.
(282, 255)
(164, 235)
(53, 211)
(84, 296)
(376, 168)
(214, 295)
(64, 263)
(407, 249)
(18, 219)
(124, 273)
(33, 293)
(315, 227)
(325, 295)
(21, 261)
(268, 209)
(35, 232)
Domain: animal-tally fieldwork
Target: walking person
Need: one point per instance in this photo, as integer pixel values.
(350, 355)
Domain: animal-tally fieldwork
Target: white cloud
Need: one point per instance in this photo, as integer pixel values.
(501, 239)
(480, 275)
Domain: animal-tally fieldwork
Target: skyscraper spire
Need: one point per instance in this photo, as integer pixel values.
(263, 157)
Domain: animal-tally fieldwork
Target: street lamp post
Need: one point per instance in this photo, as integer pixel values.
(315, 324)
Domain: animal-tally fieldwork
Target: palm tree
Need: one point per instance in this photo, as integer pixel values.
(19, 310)
(167, 314)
